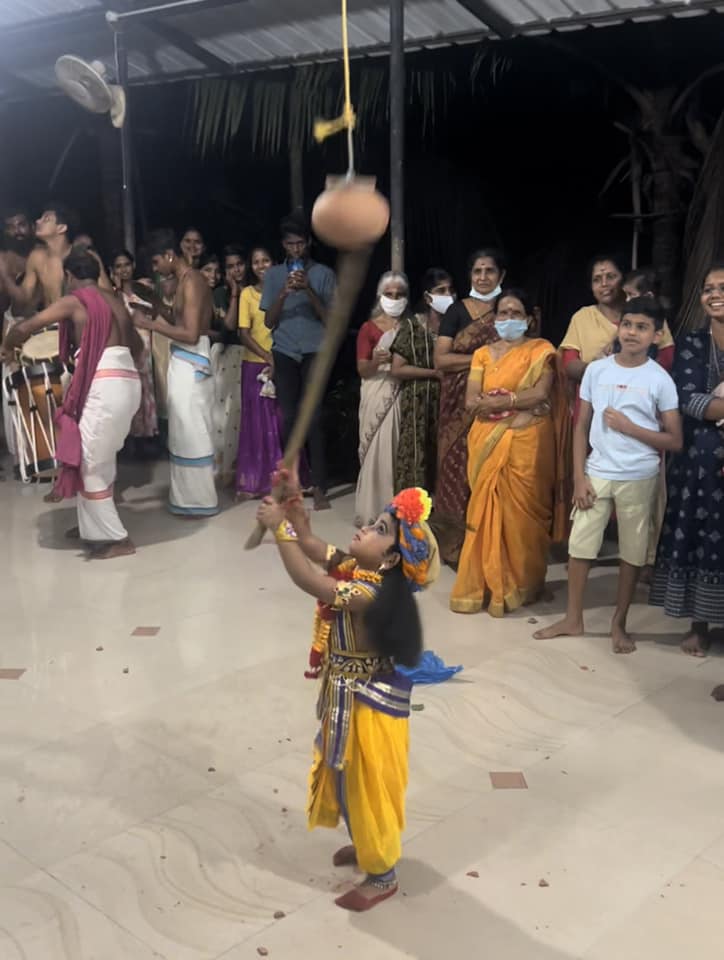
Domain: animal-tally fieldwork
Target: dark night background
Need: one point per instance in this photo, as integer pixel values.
(518, 156)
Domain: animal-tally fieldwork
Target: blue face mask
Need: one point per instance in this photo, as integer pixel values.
(511, 329)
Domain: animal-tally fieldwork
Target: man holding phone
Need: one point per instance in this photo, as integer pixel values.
(296, 297)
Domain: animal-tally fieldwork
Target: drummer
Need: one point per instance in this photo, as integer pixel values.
(43, 278)
(18, 241)
(101, 401)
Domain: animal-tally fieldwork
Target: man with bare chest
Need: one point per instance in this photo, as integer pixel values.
(18, 241)
(190, 382)
(103, 396)
(43, 279)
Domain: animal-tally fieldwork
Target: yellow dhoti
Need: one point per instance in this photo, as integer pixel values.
(369, 791)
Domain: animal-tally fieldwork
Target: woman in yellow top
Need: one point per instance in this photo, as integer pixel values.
(518, 449)
(593, 330)
(260, 435)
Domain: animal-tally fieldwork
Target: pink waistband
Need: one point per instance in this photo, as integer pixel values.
(97, 494)
(119, 374)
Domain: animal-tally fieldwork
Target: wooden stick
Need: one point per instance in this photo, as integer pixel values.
(351, 274)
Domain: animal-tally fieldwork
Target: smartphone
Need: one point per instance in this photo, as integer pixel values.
(294, 266)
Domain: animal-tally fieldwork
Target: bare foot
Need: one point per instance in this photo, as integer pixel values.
(366, 896)
(695, 644)
(621, 641)
(718, 693)
(72, 534)
(107, 551)
(52, 497)
(345, 857)
(564, 628)
(243, 497)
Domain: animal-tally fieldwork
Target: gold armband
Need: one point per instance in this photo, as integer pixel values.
(285, 533)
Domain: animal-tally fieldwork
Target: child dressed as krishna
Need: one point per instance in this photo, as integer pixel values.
(366, 623)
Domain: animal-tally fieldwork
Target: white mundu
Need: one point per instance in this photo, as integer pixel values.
(112, 401)
(190, 430)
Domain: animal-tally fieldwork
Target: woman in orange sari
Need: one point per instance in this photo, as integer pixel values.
(518, 449)
(466, 326)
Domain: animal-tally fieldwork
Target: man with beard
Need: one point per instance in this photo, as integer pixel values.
(44, 273)
(18, 241)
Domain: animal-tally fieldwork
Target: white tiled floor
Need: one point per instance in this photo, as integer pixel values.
(159, 812)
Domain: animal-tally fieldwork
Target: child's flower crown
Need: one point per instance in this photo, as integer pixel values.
(418, 547)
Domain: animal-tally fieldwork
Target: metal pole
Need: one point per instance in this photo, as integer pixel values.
(173, 8)
(397, 133)
(129, 224)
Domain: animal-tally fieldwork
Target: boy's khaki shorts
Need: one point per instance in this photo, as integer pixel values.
(634, 501)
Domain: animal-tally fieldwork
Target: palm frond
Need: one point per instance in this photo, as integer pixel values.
(694, 85)
(619, 173)
(704, 233)
(269, 114)
(216, 113)
(489, 62)
(372, 100)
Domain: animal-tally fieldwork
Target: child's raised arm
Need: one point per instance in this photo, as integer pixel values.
(298, 566)
(314, 548)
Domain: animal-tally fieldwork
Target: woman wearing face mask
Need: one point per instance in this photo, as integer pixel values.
(413, 364)
(518, 448)
(379, 408)
(593, 330)
(466, 326)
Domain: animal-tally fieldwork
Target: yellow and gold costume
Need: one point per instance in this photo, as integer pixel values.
(360, 765)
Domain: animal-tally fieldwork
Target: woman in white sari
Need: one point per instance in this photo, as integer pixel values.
(379, 408)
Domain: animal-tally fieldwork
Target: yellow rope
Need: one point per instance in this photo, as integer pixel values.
(348, 120)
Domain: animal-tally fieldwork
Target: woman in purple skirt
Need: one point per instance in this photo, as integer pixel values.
(260, 434)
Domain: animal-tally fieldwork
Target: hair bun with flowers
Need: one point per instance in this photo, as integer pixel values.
(418, 547)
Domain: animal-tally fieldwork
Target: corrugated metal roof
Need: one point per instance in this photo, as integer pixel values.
(251, 34)
(31, 11)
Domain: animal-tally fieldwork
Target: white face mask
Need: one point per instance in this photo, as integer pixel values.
(486, 297)
(393, 308)
(441, 301)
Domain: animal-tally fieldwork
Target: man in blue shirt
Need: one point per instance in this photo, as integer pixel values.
(296, 297)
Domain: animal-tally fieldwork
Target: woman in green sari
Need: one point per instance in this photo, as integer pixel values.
(413, 364)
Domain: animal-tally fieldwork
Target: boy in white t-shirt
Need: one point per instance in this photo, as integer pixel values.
(629, 415)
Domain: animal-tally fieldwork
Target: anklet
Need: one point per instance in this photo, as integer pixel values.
(383, 882)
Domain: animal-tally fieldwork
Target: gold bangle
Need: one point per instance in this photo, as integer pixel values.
(285, 533)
